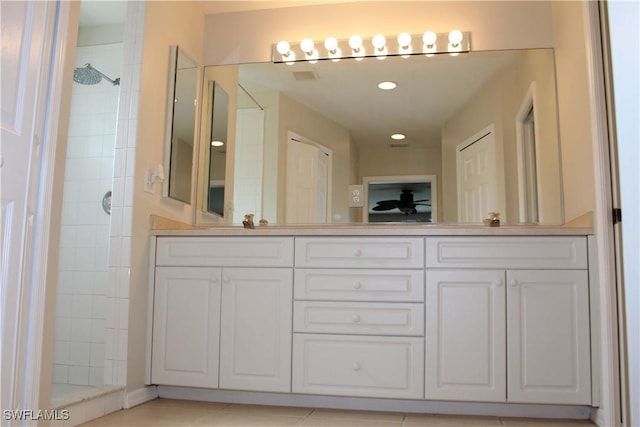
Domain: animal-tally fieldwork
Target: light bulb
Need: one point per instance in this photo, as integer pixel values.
(404, 40)
(355, 42)
(307, 46)
(398, 136)
(455, 37)
(379, 41)
(216, 143)
(331, 43)
(429, 38)
(283, 47)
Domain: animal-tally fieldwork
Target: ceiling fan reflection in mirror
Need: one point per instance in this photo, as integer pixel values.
(406, 204)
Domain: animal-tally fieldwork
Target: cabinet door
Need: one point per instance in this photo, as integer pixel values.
(548, 336)
(186, 326)
(256, 325)
(465, 335)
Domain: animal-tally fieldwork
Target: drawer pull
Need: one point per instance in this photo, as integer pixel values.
(357, 285)
(356, 366)
(355, 318)
(357, 252)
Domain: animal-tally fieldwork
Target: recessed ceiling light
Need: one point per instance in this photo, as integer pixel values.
(216, 143)
(387, 85)
(398, 136)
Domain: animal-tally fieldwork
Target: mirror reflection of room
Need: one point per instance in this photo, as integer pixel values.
(439, 104)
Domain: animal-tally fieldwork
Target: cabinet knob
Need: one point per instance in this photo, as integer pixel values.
(513, 282)
(357, 252)
(214, 279)
(357, 285)
(497, 282)
(356, 366)
(355, 318)
(226, 280)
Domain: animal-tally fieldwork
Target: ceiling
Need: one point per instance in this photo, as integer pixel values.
(429, 92)
(102, 12)
(210, 7)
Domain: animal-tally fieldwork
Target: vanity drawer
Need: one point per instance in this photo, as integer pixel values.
(346, 365)
(507, 252)
(359, 285)
(222, 251)
(351, 252)
(358, 318)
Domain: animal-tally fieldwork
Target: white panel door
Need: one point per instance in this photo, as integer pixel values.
(186, 326)
(256, 327)
(27, 41)
(548, 336)
(465, 335)
(477, 178)
(307, 183)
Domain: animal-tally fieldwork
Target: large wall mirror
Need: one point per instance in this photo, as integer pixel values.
(181, 121)
(483, 123)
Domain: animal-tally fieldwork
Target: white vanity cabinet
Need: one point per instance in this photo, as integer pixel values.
(359, 317)
(255, 339)
(186, 326)
(507, 319)
(222, 312)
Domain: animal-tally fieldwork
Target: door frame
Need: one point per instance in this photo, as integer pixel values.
(524, 161)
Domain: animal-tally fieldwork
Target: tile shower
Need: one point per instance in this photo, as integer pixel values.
(83, 276)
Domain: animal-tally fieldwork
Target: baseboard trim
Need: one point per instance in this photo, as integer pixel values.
(370, 404)
(140, 396)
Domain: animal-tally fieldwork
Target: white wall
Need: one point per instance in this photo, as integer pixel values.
(84, 241)
(573, 108)
(493, 24)
(624, 35)
(166, 23)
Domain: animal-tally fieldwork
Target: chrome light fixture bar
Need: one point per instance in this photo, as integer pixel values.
(378, 46)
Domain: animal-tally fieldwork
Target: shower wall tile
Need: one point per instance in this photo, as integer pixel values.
(84, 243)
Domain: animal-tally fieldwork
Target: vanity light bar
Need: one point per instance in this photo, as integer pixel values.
(378, 46)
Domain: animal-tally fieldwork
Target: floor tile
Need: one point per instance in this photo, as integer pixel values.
(183, 413)
(417, 420)
(528, 422)
(268, 410)
(340, 414)
(228, 419)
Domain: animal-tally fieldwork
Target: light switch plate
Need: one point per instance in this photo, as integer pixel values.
(356, 196)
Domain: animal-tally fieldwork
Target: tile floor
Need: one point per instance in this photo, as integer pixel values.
(178, 413)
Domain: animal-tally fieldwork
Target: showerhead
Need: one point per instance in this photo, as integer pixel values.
(88, 75)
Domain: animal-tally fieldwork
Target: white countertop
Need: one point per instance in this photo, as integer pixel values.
(164, 227)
